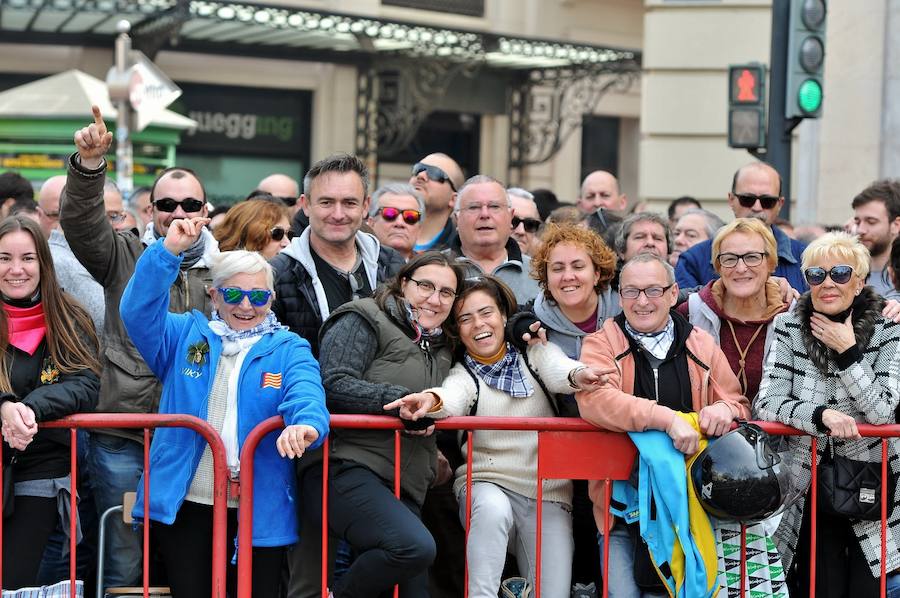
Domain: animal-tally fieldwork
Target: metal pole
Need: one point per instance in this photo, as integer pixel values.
(124, 156)
(778, 150)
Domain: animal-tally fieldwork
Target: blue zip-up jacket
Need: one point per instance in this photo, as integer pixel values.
(163, 340)
(695, 267)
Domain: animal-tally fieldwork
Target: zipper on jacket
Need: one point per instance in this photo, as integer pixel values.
(656, 383)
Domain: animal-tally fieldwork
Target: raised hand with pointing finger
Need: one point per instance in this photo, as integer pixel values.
(93, 141)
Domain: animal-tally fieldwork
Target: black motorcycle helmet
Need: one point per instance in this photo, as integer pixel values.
(741, 477)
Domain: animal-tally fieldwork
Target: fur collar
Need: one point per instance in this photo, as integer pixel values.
(864, 321)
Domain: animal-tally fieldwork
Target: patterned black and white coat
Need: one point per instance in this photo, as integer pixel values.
(802, 376)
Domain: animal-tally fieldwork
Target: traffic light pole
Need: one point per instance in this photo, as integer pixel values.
(778, 147)
(124, 155)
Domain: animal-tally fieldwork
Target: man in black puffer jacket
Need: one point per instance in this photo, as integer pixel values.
(331, 262)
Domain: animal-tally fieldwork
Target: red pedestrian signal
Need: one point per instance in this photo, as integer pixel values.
(747, 105)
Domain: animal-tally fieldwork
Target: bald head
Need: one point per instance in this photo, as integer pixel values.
(756, 192)
(439, 194)
(600, 189)
(48, 203)
(280, 185)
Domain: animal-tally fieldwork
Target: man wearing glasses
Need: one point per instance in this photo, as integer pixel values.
(755, 193)
(657, 357)
(396, 217)
(437, 177)
(115, 459)
(526, 220)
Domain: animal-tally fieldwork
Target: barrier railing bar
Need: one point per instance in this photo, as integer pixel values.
(813, 513)
(325, 464)
(469, 434)
(743, 577)
(145, 421)
(538, 532)
(145, 532)
(884, 503)
(607, 499)
(73, 508)
(397, 484)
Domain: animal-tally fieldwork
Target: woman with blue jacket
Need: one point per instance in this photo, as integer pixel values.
(234, 371)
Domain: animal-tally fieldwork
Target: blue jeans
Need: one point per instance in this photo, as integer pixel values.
(621, 565)
(55, 563)
(893, 586)
(115, 465)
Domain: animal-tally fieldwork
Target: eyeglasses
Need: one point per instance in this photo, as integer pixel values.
(748, 200)
(167, 204)
(51, 215)
(434, 173)
(427, 289)
(278, 233)
(288, 201)
(234, 295)
(116, 216)
(531, 224)
(751, 259)
(650, 292)
(409, 216)
(474, 210)
(838, 275)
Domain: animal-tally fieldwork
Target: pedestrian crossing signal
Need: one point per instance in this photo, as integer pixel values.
(746, 105)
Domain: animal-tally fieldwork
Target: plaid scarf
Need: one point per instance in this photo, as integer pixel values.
(505, 375)
(656, 343)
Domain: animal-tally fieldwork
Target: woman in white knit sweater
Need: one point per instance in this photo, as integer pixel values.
(492, 378)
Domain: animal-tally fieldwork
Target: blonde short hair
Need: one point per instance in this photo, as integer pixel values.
(840, 246)
(748, 226)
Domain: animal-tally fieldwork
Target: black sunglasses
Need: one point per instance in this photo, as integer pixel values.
(288, 201)
(838, 275)
(409, 216)
(278, 233)
(531, 224)
(167, 204)
(434, 173)
(748, 200)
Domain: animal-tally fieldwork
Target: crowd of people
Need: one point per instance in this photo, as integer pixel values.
(440, 296)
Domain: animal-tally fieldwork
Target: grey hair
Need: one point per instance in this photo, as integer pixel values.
(395, 188)
(519, 192)
(231, 263)
(628, 223)
(713, 222)
(337, 163)
(480, 179)
(110, 186)
(649, 258)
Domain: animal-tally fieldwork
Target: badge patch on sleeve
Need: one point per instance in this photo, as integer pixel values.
(270, 380)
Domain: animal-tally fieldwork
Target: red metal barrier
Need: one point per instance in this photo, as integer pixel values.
(148, 422)
(567, 449)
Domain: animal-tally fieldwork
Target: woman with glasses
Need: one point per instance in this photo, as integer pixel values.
(492, 378)
(234, 370)
(372, 352)
(834, 364)
(739, 308)
(255, 225)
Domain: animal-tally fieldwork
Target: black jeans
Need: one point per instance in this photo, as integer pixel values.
(186, 546)
(25, 535)
(391, 543)
(841, 568)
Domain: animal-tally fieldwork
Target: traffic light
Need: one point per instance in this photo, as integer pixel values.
(747, 105)
(805, 59)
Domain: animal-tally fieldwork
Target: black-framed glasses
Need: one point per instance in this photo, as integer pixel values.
(748, 200)
(409, 216)
(167, 204)
(234, 295)
(751, 259)
(838, 274)
(427, 289)
(434, 173)
(654, 292)
(279, 232)
(531, 224)
(288, 201)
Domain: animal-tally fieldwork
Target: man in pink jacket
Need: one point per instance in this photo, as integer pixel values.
(662, 365)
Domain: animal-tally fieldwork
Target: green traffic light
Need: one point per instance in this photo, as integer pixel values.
(809, 96)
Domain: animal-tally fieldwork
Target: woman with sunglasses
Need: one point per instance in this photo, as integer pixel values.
(739, 308)
(374, 351)
(234, 370)
(255, 225)
(834, 363)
